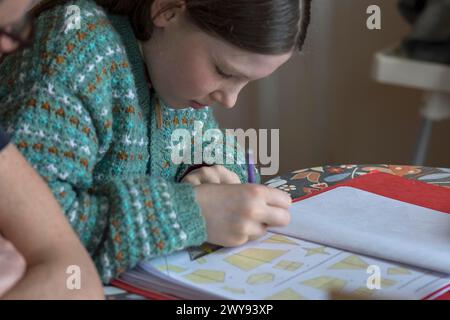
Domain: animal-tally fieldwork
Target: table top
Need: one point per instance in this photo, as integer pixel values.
(302, 182)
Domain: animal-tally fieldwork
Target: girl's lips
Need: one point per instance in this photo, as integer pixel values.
(196, 105)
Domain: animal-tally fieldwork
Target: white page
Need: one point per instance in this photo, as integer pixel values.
(279, 267)
(359, 221)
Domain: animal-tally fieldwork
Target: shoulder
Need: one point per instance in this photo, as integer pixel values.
(69, 52)
(68, 38)
(80, 27)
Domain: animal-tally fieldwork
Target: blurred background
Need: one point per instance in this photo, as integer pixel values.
(328, 106)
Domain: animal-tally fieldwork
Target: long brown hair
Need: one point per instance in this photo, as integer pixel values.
(259, 26)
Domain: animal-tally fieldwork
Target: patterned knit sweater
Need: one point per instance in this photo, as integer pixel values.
(78, 106)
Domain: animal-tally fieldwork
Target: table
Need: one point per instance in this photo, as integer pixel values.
(302, 182)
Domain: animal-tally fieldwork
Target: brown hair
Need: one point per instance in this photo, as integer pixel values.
(260, 26)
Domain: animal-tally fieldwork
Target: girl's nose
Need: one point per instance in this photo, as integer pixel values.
(226, 98)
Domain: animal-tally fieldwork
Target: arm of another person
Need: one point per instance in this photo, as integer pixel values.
(31, 219)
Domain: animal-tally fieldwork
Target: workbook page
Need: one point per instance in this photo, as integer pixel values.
(367, 223)
(280, 267)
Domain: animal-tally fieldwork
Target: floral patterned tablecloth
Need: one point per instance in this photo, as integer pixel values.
(306, 181)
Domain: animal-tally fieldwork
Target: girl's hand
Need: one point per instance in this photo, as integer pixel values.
(235, 214)
(12, 266)
(216, 174)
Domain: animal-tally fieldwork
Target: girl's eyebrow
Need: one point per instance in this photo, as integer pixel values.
(225, 67)
(234, 72)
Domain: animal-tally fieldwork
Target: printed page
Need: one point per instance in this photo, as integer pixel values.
(280, 267)
(363, 222)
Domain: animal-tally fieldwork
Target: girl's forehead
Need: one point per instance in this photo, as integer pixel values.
(237, 61)
(247, 64)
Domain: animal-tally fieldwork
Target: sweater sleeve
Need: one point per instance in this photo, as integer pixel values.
(49, 115)
(4, 139)
(232, 154)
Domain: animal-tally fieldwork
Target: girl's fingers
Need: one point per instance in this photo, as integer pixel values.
(278, 198)
(226, 176)
(195, 177)
(276, 217)
(259, 230)
(209, 175)
(215, 175)
(192, 179)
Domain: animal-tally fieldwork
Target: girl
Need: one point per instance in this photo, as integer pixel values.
(114, 79)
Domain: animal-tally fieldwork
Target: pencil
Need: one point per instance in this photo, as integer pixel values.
(250, 167)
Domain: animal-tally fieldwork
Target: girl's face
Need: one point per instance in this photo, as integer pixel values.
(190, 68)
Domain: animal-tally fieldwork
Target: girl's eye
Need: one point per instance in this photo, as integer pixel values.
(221, 73)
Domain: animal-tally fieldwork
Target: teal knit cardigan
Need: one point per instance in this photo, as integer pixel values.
(78, 106)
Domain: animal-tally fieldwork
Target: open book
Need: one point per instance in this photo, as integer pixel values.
(346, 238)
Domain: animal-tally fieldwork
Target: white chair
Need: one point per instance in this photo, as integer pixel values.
(392, 66)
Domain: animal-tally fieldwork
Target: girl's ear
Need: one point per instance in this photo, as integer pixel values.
(167, 11)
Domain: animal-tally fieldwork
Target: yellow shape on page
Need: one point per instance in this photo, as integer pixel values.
(350, 263)
(234, 290)
(286, 294)
(387, 283)
(203, 276)
(201, 261)
(250, 259)
(288, 265)
(278, 239)
(363, 292)
(171, 267)
(395, 271)
(260, 278)
(313, 251)
(325, 283)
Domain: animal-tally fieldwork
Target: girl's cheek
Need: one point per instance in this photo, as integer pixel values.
(201, 74)
(201, 84)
